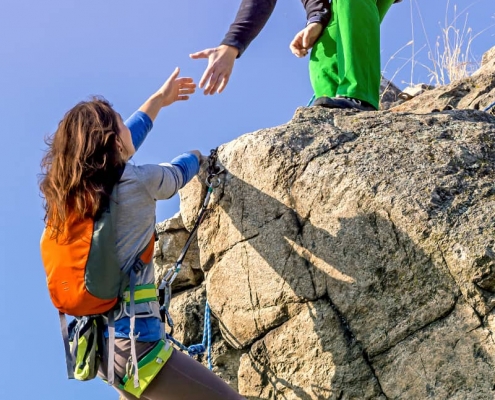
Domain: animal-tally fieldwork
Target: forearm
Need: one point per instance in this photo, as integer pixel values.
(140, 124)
(152, 106)
(188, 163)
(249, 21)
(317, 11)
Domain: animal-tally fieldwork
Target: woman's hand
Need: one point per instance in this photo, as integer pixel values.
(174, 89)
(305, 39)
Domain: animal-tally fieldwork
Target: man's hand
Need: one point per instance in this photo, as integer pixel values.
(305, 39)
(220, 63)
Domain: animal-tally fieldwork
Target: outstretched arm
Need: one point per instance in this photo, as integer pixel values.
(164, 180)
(174, 89)
(249, 21)
(251, 18)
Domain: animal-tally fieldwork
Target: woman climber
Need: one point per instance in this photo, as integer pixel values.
(86, 175)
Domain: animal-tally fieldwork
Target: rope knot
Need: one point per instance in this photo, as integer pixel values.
(196, 349)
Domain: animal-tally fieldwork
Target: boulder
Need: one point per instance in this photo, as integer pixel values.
(351, 255)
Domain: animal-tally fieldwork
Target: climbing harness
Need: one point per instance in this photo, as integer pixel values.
(489, 107)
(165, 289)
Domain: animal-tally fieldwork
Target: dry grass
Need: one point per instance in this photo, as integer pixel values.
(451, 58)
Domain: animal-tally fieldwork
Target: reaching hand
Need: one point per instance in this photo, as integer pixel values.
(220, 64)
(305, 39)
(175, 89)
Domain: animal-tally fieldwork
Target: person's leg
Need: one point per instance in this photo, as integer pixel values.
(323, 65)
(358, 50)
(345, 61)
(184, 378)
(122, 353)
(383, 7)
(180, 378)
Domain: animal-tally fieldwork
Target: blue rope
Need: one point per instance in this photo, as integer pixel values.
(311, 100)
(489, 107)
(207, 334)
(200, 348)
(176, 342)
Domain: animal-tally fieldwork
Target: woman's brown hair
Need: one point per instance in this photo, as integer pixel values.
(82, 163)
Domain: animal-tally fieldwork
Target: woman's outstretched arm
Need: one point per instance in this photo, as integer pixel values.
(174, 89)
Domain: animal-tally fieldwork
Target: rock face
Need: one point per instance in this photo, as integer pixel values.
(389, 94)
(172, 236)
(349, 255)
(475, 92)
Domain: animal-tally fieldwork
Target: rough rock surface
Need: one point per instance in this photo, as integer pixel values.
(389, 94)
(475, 92)
(351, 255)
(171, 239)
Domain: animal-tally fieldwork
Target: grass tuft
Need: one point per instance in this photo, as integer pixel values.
(450, 58)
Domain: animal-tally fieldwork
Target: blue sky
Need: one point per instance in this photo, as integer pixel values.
(54, 53)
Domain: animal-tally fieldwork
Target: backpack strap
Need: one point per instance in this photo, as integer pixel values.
(145, 257)
(111, 349)
(69, 359)
(133, 359)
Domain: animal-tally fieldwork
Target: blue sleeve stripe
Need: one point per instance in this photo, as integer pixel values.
(140, 125)
(188, 164)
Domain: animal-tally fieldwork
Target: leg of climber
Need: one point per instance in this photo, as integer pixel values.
(383, 7)
(181, 378)
(184, 378)
(323, 63)
(350, 49)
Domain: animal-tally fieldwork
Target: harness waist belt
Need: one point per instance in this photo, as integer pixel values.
(142, 294)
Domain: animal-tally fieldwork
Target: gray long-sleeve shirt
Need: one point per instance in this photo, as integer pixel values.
(136, 193)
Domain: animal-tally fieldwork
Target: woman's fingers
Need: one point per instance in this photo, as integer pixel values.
(186, 91)
(184, 80)
(174, 74)
(187, 85)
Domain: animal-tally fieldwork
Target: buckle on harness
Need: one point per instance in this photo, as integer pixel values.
(138, 265)
(148, 368)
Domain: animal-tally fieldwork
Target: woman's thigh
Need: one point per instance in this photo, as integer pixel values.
(181, 378)
(184, 378)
